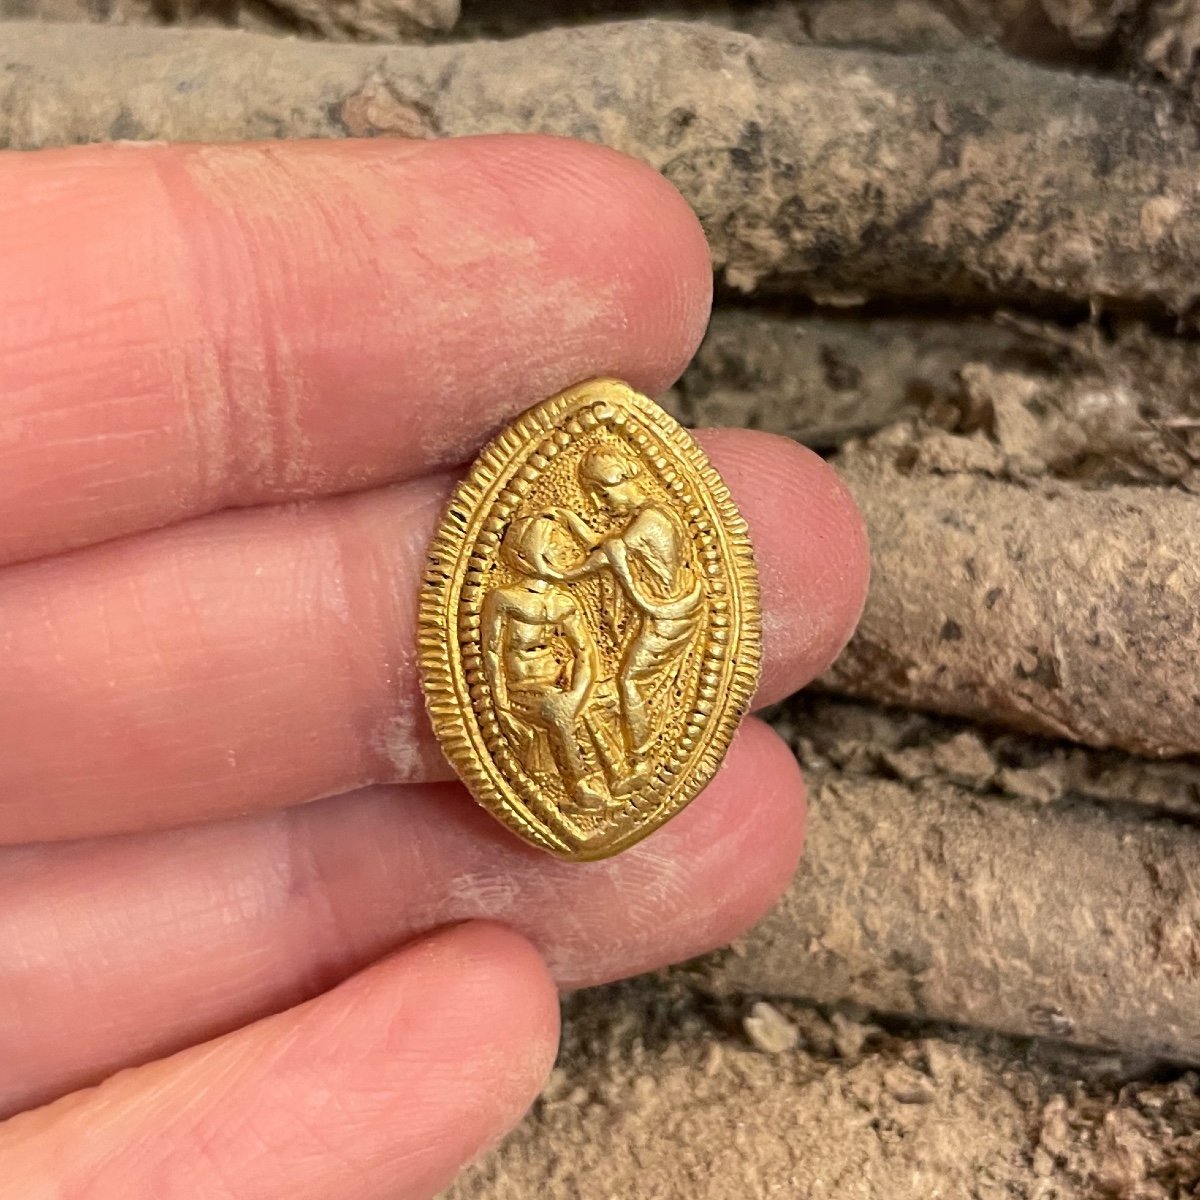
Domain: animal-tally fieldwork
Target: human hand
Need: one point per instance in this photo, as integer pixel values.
(580, 529)
(234, 382)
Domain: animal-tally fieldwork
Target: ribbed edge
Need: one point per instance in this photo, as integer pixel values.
(443, 679)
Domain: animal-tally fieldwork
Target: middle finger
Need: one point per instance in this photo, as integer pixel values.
(267, 657)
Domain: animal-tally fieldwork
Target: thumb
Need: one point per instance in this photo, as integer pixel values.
(381, 1089)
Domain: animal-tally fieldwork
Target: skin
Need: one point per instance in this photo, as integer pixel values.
(252, 944)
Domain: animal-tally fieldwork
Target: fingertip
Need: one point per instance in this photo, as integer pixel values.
(773, 776)
(457, 1032)
(624, 224)
(360, 311)
(699, 882)
(500, 974)
(385, 1086)
(810, 546)
(669, 266)
(490, 982)
(760, 794)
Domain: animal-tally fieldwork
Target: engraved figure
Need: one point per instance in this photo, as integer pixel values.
(646, 552)
(541, 661)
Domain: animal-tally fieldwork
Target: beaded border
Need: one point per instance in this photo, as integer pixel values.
(467, 538)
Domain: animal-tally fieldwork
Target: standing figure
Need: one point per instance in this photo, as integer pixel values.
(647, 552)
(541, 662)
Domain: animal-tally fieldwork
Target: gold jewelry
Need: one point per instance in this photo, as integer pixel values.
(590, 631)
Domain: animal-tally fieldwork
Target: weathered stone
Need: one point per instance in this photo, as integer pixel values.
(824, 379)
(340, 20)
(1071, 921)
(1071, 402)
(835, 174)
(1044, 605)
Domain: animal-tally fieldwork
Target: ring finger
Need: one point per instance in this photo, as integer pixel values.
(166, 939)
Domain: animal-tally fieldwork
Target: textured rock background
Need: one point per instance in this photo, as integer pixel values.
(659, 1097)
(837, 175)
(957, 244)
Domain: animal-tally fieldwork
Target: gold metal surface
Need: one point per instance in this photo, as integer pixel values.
(590, 630)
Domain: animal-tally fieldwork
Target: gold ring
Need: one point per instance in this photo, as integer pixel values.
(590, 632)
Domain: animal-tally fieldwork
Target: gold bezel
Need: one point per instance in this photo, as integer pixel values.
(484, 498)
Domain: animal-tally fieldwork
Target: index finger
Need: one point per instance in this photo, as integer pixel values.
(187, 328)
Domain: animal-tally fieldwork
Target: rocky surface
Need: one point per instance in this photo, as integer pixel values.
(1045, 605)
(866, 740)
(1161, 35)
(1107, 35)
(1066, 401)
(837, 175)
(946, 879)
(659, 1097)
(338, 20)
(825, 378)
